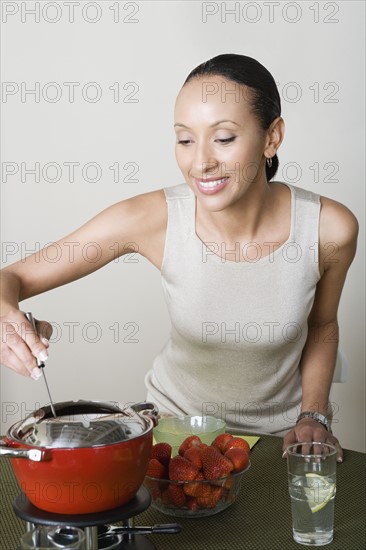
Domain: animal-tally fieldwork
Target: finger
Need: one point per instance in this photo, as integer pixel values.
(320, 449)
(11, 360)
(309, 432)
(45, 341)
(18, 355)
(33, 341)
(321, 435)
(19, 343)
(339, 451)
(44, 329)
(306, 438)
(289, 439)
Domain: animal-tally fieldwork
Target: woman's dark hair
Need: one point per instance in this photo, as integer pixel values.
(264, 97)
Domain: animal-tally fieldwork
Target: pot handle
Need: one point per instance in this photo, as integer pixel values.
(32, 454)
(147, 409)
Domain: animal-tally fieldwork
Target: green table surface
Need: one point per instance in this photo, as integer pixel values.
(259, 520)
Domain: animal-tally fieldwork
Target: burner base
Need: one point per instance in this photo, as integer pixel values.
(138, 542)
(24, 509)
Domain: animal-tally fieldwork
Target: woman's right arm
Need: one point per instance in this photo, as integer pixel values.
(133, 225)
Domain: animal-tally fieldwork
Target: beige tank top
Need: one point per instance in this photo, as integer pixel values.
(237, 327)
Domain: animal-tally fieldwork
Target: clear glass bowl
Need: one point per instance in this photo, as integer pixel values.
(174, 498)
(175, 429)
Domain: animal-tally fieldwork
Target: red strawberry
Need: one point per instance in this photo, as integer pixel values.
(211, 500)
(239, 457)
(177, 495)
(191, 489)
(192, 504)
(197, 488)
(162, 452)
(215, 465)
(155, 469)
(221, 440)
(194, 455)
(181, 469)
(190, 441)
(228, 484)
(237, 442)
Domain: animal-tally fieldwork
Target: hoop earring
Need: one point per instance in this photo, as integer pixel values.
(269, 162)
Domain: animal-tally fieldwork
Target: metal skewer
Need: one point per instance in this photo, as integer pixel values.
(40, 364)
(161, 528)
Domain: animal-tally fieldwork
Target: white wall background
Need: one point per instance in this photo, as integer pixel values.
(315, 51)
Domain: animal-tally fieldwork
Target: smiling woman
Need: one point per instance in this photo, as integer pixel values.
(252, 299)
(244, 81)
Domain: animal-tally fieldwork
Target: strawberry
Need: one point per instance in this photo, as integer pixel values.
(181, 469)
(211, 500)
(221, 440)
(237, 442)
(192, 504)
(155, 469)
(215, 465)
(194, 455)
(191, 489)
(239, 458)
(162, 452)
(177, 495)
(197, 488)
(190, 441)
(228, 484)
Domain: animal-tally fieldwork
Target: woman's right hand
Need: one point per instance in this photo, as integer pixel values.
(20, 345)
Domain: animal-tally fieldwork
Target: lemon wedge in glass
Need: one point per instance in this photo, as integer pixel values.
(318, 491)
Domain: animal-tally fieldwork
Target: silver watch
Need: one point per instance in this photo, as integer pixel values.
(315, 416)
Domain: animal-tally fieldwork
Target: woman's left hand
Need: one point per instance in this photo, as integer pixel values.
(311, 430)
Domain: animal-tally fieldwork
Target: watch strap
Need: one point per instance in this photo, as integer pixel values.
(315, 416)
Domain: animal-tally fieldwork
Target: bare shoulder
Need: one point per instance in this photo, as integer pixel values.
(337, 223)
(150, 207)
(146, 218)
(136, 215)
(338, 231)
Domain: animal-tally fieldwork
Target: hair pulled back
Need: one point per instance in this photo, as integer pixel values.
(264, 97)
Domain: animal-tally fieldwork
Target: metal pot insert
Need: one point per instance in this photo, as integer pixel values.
(81, 424)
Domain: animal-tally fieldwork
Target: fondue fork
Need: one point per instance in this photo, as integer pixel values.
(159, 529)
(40, 364)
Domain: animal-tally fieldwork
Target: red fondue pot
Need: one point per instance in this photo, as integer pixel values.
(92, 457)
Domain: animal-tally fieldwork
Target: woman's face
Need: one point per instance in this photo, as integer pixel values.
(220, 143)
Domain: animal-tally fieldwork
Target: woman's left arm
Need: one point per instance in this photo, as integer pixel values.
(337, 246)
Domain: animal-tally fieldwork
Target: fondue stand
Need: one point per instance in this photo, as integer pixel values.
(96, 525)
(90, 430)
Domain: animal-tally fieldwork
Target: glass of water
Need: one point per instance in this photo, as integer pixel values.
(312, 487)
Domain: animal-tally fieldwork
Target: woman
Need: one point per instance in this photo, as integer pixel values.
(251, 284)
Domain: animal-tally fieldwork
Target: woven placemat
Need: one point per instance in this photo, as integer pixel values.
(259, 519)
